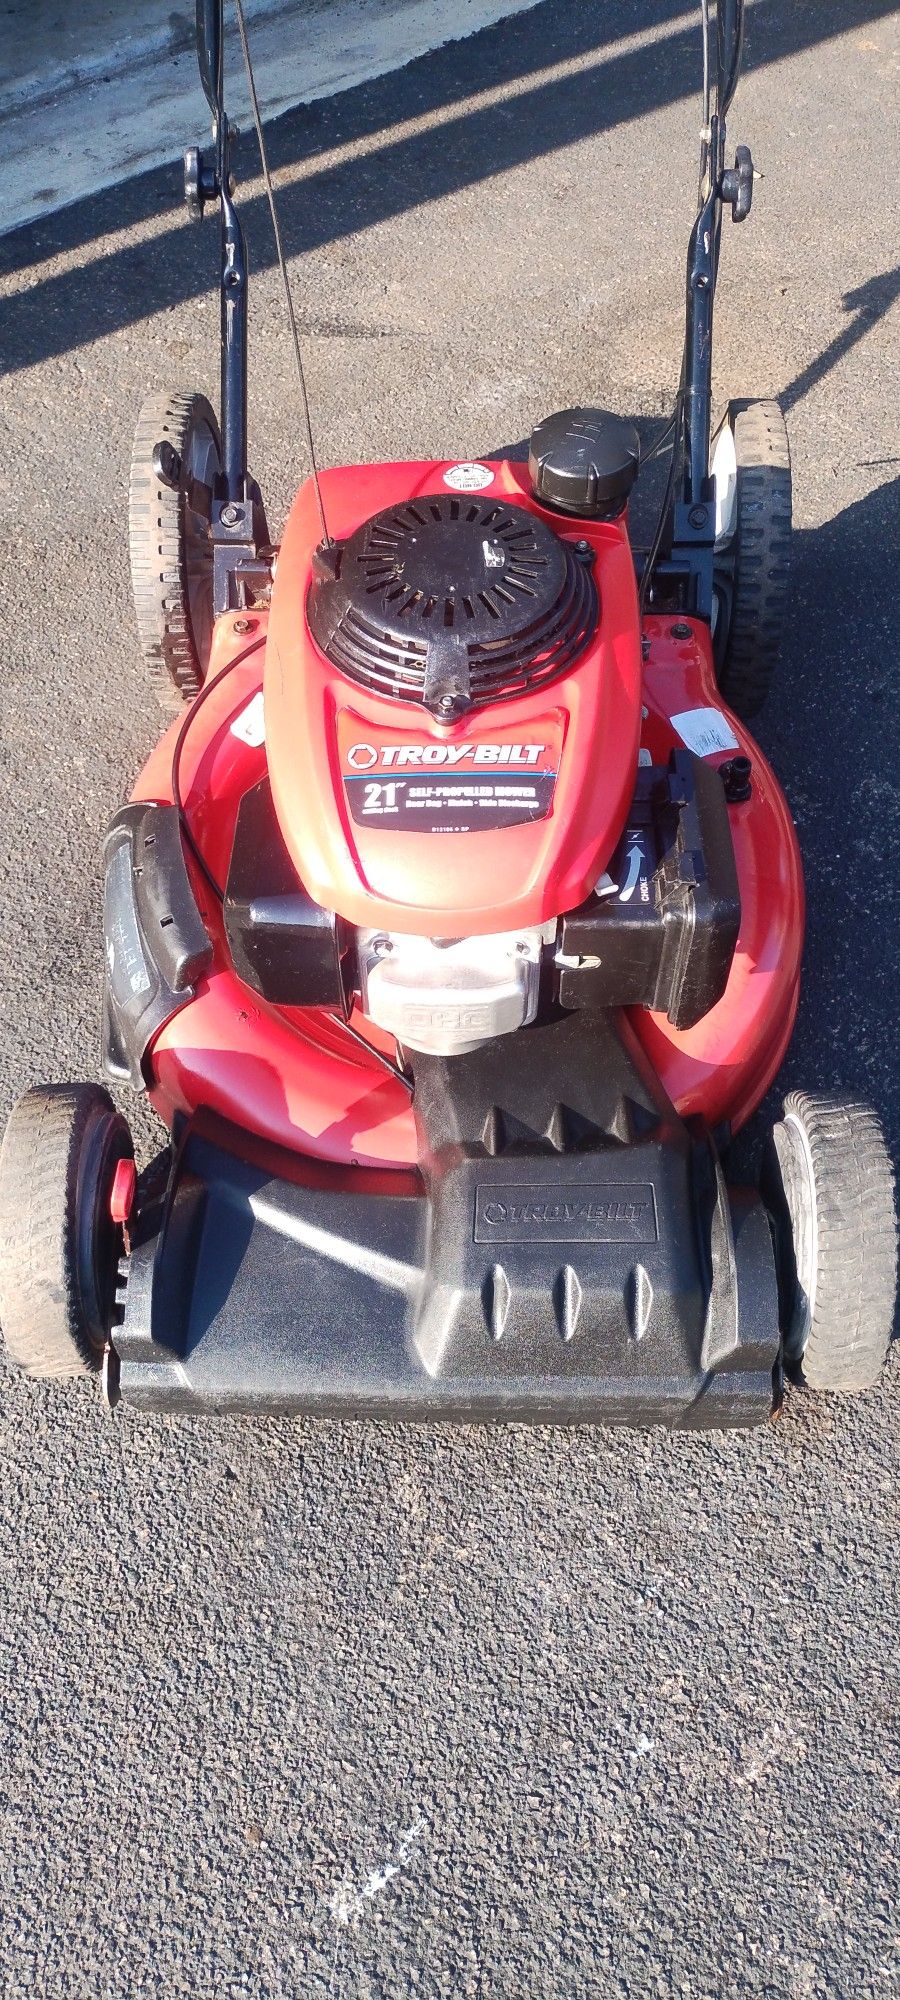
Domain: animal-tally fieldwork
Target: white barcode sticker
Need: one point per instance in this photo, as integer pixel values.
(705, 731)
(250, 725)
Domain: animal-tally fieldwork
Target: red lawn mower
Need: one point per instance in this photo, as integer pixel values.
(453, 927)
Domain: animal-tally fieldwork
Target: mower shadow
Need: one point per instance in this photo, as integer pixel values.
(832, 738)
(323, 204)
(866, 304)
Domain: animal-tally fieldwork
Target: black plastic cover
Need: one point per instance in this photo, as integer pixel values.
(570, 1253)
(660, 931)
(584, 462)
(282, 943)
(452, 601)
(157, 945)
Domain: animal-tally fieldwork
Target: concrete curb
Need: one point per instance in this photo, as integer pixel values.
(139, 101)
(120, 58)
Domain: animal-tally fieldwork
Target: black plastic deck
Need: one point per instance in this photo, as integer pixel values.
(543, 1269)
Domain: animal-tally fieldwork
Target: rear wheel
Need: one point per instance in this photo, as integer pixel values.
(828, 1184)
(175, 463)
(59, 1247)
(751, 466)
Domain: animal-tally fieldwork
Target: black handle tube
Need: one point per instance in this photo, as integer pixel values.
(233, 258)
(729, 51)
(698, 358)
(702, 270)
(233, 352)
(209, 53)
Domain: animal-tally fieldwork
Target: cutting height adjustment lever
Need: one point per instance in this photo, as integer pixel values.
(736, 185)
(200, 183)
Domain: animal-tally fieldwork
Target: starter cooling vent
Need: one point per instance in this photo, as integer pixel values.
(453, 602)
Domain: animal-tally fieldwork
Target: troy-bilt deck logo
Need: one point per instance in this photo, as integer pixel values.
(537, 1211)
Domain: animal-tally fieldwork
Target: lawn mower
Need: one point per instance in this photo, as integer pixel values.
(453, 929)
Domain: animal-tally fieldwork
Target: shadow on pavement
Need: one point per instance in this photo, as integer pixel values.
(322, 204)
(866, 304)
(830, 730)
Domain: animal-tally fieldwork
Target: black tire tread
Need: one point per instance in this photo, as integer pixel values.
(156, 549)
(40, 1306)
(763, 560)
(856, 1277)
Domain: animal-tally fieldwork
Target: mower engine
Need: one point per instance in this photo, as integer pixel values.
(475, 678)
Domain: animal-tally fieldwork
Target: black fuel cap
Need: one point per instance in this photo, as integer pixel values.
(584, 462)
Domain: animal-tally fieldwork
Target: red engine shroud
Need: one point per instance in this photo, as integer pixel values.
(297, 1079)
(585, 724)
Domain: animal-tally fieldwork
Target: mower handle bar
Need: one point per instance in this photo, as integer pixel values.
(695, 396)
(209, 55)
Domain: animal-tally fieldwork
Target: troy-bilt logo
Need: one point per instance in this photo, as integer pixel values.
(540, 1212)
(407, 756)
(544, 1214)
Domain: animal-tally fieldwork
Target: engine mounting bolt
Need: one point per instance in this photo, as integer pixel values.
(230, 516)
(698, 517)
(680, 630)
(245, 624)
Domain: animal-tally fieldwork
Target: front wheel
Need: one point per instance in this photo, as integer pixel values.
(829, 1187)
(59, 1245)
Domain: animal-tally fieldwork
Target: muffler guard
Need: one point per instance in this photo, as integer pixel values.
(570, 1253)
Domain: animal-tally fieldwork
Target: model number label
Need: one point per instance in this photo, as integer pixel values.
(481, 777)
(452, 804)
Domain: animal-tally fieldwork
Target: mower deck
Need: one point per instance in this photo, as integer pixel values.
(569, 1252)
(312, 1300)
(292, 1076)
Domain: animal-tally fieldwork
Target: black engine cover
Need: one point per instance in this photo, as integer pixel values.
(662, 928)
(282, 943)
(452, 601)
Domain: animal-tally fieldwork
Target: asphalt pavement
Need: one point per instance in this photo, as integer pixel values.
(357, 1712)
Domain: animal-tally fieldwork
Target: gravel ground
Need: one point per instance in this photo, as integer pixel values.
(347, 1711)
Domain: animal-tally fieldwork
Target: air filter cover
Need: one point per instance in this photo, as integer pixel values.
(453, 602)
(584, 462)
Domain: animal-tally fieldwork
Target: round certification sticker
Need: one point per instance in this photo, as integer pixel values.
(469, 478)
